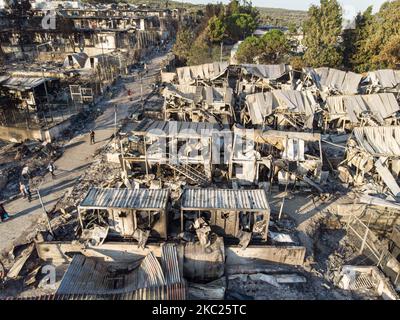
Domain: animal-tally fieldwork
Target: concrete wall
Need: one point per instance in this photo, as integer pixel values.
(19, 134)
(14, 134)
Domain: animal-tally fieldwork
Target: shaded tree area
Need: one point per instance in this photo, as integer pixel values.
(374, 42)
(219, 24)
(322, 32)
(272, 48)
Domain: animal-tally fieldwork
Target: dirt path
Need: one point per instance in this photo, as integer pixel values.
(77, 157)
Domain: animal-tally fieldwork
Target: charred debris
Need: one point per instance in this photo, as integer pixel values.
(234, 181)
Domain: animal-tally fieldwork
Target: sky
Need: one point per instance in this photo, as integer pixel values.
(351, 7)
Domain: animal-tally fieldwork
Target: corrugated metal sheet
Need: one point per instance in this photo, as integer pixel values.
(176, 291)
(178, 129)
(186, 92)
(379, 141)
(170, 264)
(210, 95)
(126, 198)
(382, 105)
(387, 78)
(211, 71)
(263, 71)
(328, 78)
(89, 276)
(24, 83)
(225, 199)
(90, 279)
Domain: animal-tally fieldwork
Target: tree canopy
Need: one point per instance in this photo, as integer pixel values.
(322, 32)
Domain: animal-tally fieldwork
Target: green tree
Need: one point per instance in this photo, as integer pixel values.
(356, 54)
(240, 25)
(275, 47)
(380, 44)
(216, 29)
(183, 44)
(251, 48)
(201, 51)
(322, 32)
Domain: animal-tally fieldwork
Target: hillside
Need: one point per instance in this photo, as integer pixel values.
(269, 16)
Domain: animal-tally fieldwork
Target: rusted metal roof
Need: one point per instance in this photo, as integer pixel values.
(210, 199)
(126, 198)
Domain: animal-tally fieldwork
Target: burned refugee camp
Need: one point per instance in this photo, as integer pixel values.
(161, 150)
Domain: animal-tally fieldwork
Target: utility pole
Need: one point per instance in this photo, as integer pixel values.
(115, 120)
(222, 48)
(44, 79)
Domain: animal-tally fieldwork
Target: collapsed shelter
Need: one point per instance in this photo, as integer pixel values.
(262, 156)
(197, 104)
(259, 77)
(374, 152)
(280, 108)
(185, 147)
(372, 109)
(202, 74)
(329, 81)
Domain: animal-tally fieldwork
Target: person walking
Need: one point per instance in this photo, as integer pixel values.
(25, 173)
(51, 169)
(92, 137)
(3, 213)
(25, 190)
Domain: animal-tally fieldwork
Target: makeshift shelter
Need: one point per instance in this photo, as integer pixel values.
(384, 80)
(287, 107)
(259, 78)
(375, 152)
(204, 73)
(229, 212)
(126, 210)
(197, 104)
(188, 148)
(261, 156)
(372, 109)
(76, 60)
(332, 81)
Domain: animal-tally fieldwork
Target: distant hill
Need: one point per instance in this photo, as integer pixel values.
(282, 17)
(268, 16)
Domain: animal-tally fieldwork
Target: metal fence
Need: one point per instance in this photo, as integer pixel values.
(368, 244)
